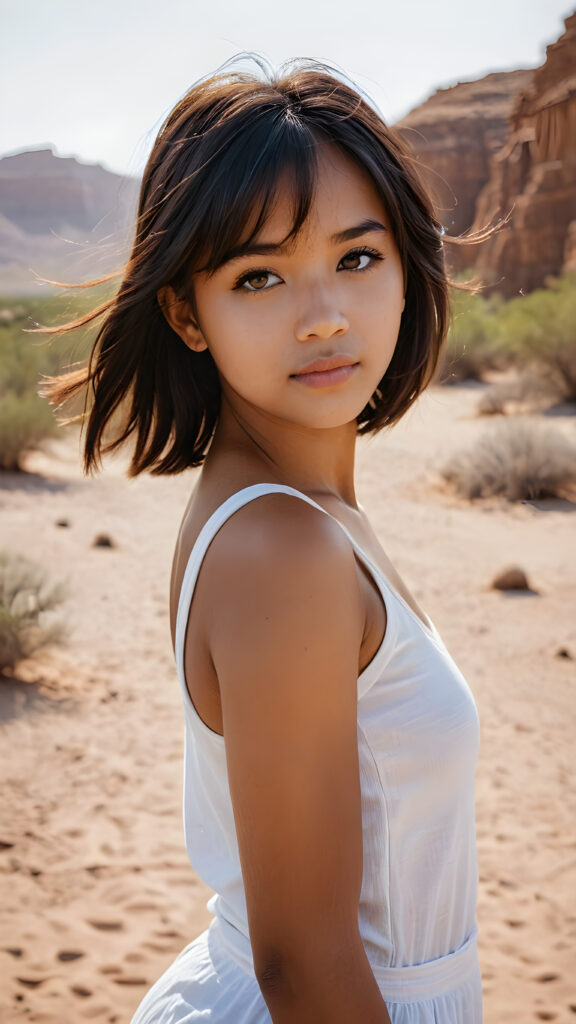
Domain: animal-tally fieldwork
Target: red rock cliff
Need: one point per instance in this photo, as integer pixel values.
(534, 176)
(454, 134)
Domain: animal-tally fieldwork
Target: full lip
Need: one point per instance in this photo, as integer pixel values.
(327, 363)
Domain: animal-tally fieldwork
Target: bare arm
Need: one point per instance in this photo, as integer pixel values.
(286, 625)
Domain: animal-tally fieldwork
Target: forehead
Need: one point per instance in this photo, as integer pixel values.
(339, 174)
(344, 194)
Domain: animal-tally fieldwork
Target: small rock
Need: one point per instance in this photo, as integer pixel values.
(103, 540)
(563, 652)
(64, 523)
(106, 926)
(511, 578)
(81, 990)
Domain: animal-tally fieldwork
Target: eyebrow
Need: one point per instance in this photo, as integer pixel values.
(265, 248)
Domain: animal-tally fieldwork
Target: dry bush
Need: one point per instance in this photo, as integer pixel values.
(560, 367)
(541, 328)
(472, 364)
(25, 418)
(25, 421)
(526, 392)
(537, 330)
(27, 602)
(470, 350)
(518, 459)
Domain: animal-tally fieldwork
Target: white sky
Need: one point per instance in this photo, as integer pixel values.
(94, 78)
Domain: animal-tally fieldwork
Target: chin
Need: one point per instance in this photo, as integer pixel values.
(331, 419)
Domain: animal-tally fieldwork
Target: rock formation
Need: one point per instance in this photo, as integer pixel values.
(60, 217)
(533, 177)
(455, 133)
(42, 193)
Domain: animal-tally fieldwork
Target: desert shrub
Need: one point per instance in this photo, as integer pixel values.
(518, 459)
(23, 356)
(539, 329)
(27, 602)
(25, 418)
(470, 349)
(526, 391)
(535, 331)
(25, 421)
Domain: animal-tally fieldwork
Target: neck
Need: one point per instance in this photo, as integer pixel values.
(316, 461)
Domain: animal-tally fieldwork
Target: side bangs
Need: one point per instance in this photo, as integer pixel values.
(260, 162)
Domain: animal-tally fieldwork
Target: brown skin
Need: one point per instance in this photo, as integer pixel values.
(284, 616)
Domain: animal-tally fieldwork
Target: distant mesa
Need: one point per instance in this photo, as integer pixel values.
(42, 193)
(61, 218)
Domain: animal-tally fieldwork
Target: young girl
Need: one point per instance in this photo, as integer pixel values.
(287, 292)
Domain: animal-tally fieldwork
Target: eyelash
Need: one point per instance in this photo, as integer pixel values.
(361, 251)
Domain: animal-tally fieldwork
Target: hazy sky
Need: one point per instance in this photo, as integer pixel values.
(95, 78)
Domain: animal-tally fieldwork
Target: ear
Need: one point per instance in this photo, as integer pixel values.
(178, 313)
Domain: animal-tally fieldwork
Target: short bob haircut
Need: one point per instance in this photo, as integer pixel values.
(214, 169)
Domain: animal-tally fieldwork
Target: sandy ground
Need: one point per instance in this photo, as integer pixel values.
(97, 895)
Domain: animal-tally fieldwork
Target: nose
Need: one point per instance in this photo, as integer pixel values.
(321, 317)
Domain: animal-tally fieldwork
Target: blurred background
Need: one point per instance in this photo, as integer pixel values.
(85, 87)
(471, 494)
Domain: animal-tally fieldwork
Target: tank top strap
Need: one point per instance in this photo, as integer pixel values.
(200, 547)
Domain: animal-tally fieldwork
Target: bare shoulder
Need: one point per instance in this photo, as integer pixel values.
(278, 529)
(272, 552)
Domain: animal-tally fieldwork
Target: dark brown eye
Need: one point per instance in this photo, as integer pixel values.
(356, 254)
(256, 281)
(256, 278)
(351, 256)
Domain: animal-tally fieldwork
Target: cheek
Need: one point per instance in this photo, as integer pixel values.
(241, 343)
(381, 311)
(393, 302)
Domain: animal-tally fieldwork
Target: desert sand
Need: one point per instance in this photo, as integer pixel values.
(97, 896)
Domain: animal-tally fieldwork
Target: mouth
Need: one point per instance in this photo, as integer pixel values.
(326, 372)
(325, 364)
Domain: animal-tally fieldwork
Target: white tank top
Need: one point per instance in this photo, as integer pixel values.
(418, 734)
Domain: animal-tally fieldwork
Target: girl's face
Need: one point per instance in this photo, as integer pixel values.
(336, 295)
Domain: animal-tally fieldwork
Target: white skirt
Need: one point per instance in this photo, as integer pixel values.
(204, 983)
